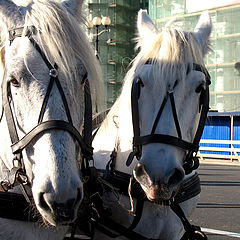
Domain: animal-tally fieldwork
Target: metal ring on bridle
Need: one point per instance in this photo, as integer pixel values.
(53, 73)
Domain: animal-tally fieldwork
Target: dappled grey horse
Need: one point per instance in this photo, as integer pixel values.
(45, 58)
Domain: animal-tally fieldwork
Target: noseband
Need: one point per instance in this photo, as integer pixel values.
(18, 145)
(191, 161)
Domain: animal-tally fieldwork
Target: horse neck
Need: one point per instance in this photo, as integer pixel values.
(115, 133)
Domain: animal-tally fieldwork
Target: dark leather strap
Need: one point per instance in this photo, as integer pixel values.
(135, 111)
(19, 145)
(45, 101)
(87, 128)
(49, 125)
(191, 148)
(167, 139)
(191, 231)
(7, 98)
(175, 117)
(14, 206)
(159, 114)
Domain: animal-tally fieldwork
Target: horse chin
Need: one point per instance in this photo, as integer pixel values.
(54, 220)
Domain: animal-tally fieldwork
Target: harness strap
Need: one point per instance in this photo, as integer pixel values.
(48, 125)
(7, 98)
(175, 117)
(19, 145)
(138, 214)
(87, 130)
(190, 162)
(161, 138)
(45, 101)
(14, 206)
(191, 231)
(158, 115)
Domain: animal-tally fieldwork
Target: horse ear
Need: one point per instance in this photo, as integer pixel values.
(10, 15)
(203, 30)
(73, 6)
(146, 28)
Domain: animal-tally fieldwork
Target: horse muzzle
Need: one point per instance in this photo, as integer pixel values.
(58, 213)
(160, 189)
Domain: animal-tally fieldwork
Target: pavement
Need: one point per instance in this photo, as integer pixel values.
(218, 210)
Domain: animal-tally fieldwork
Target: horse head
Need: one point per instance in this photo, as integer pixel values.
(168, 83)
(44, 58)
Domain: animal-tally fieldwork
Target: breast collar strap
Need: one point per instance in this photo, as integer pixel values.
(18, 145)
(191, 162)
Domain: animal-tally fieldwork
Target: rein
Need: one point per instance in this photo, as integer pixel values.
(18, 174)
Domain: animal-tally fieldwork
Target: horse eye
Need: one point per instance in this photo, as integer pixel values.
(200, 87)
(140, 82)
(14, 82)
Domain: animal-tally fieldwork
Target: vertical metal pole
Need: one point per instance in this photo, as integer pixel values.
(96, 43)
(231, 137)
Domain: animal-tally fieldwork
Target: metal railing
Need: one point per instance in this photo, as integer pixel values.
(226, 149)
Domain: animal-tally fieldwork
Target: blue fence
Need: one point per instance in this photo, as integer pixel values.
(221, 126)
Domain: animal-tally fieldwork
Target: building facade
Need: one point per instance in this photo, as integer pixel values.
(115, 47)
(223, 62)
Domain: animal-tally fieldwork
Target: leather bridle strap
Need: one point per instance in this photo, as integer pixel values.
(46, 126)
(167, 139)
(19, 145)
(7, 99)
(53, 78)
(87, 127)
(191, 148)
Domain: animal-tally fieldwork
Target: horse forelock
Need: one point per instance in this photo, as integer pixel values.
(170, 52)
(64, 42)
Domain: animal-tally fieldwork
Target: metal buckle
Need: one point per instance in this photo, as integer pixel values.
(5, 185)
(53, 73)
(91, 163)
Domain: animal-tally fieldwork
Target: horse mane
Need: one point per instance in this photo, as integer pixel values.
(171, 52)
(64, 42)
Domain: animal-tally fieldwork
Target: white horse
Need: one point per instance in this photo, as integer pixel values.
(44, 57)
(163, 67)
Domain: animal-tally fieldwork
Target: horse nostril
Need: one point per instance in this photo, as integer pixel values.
(48, 204)
(42, 203)
(64, 211)
(176, 177)
(139, 170)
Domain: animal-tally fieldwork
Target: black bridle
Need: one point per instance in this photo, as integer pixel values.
(18, 172)
(191, 161)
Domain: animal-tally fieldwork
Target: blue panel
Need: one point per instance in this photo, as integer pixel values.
(219, 128)
(236, 130)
